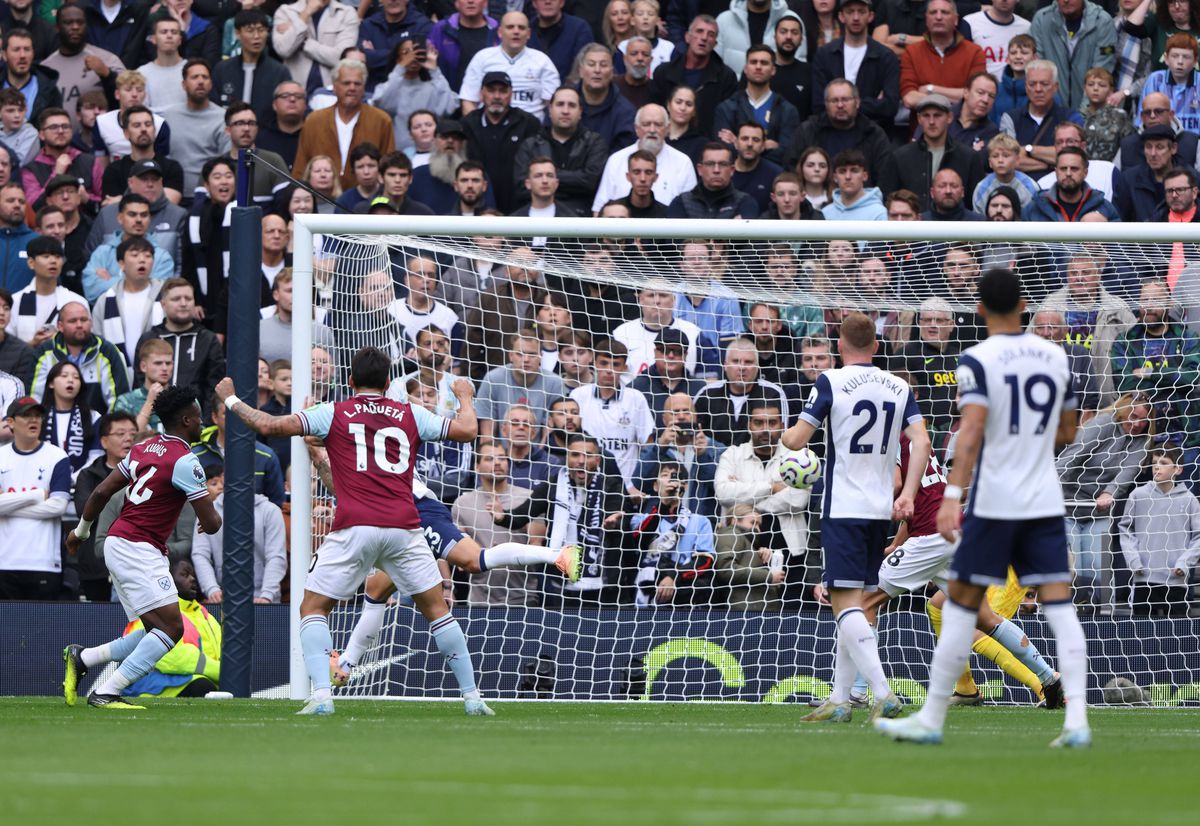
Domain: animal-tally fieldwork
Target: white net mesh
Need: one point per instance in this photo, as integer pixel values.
(720, 603)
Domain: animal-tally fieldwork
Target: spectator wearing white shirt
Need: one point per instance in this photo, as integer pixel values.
(639, 336)
(534, 77)
(35, 309)
(991, 29)
(128, 309)
(418, 309)
(37, 484)
(676, 172)
(618, 416)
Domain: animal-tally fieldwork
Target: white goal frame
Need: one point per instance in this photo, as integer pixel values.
(306, 226)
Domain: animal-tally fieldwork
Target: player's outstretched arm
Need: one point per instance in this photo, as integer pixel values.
(1068, 428)
(465, 425)
(91, 509)
(966, 454)
(797, 436)
(918, 458)
(264, 424)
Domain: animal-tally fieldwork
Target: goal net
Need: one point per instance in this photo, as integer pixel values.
(683, 348)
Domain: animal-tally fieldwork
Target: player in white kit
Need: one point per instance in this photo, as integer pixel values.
(1017, 405)
(864, 410)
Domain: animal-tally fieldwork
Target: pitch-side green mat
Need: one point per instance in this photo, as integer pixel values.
(233, 762)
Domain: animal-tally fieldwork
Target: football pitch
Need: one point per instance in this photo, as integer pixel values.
(198, 761)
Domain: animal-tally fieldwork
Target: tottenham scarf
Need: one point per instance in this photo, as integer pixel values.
(578, 518)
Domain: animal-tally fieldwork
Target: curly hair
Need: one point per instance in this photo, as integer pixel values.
(173, 402)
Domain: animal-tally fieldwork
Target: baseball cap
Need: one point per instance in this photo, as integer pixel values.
(1160, 131)
(44, 245)
(843, 3)
(382, 202)
(497, 77)
(23, 405)
(670, 337)
(449, 126)
(59, 181)
(940, 101)
(146, 167)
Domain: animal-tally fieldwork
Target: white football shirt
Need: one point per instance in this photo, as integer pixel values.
(1024, 381)
(622, 424)
(994, 37)
(533, 75)
(864, 410)
(639, 340)
(32, 543)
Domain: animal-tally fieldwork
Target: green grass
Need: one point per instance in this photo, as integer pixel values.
(231, 762)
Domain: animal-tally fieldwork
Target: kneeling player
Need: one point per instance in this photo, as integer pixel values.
(371, 441)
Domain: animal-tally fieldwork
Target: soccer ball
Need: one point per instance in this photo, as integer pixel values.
(800, 469)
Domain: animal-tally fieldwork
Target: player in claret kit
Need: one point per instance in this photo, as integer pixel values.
(921, 556)
(1018, 405)
(864, 410)
(159, 475)
(371, 441)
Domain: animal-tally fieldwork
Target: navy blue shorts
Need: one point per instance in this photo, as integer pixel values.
(1035, 548)
(440, 531)
(853, 551)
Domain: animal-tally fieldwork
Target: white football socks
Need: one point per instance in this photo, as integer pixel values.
(516, 555)
(365, 633)
(856, 634)
(1072, 659)
(949, 658)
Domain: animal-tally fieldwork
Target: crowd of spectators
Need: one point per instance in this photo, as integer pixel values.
(640, 424)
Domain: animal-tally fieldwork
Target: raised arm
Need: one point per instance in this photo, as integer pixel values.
(264, 424)
(918, 458)
(465, 425)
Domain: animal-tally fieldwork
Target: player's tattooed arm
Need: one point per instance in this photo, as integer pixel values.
(264, 424)
(465, 425)
(320, 460)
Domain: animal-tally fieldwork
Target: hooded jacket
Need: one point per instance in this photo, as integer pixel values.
(101, 363)
(48, 93)
(13, 241)
(1160, 531)
(1046, 207)
(199, 359)
(782, 120)
(125, 36)
(611, 119)
(378, 38)
(270, 551)
(864, 134)
(168, 225)
(733, 32)
(867, 208)
(561, 41)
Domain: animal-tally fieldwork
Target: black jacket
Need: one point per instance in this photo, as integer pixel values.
(45, 36)
(48, 94)
(864, 135)
(725, 419)
(579, 162)
(227, 84)
(782, 120)
(879, 73)
(705, 203)
(717, 83)
(125, 36)
(914, 167)
(16, 359)
(199, 360)
(1186, 144)
(493, 145)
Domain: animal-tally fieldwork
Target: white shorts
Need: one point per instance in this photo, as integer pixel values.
(916, 563)
(141, 575)
(346, 557)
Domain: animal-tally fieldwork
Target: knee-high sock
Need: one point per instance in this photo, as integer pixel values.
(949, 657)
(114, 650)
(448, 635)
(515, 555)
(1072, 659)
(966, 681)
(856, 634)
(140, 662)
(1009, 635)
(365, 633)
(316, 643)
(844, 671)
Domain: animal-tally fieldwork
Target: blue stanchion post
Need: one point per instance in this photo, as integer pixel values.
(245, 273)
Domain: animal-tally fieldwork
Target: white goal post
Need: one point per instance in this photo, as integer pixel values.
(648, 258)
